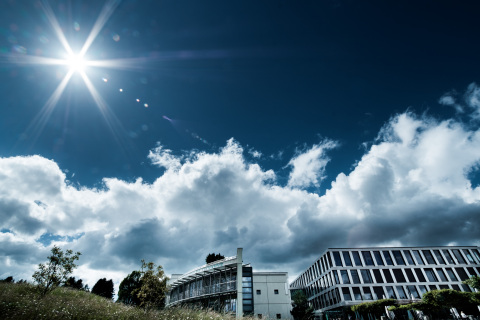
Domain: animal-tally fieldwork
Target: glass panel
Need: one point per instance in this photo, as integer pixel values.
(459, 256)
(401, 293)
(439, 257)
(462, 274)
(377, 275)
(367, 257)
(432, 287)
(420, 276)
(448, 256)
(468, 255)
(476, 254)
(444, 286)
(442, 276)
(355, 277)
(456, 287)
(430, 275)
(387, 275)
(345, 278)
(356, 258)
(466, 288)
(408, 255)
(346, 294)
(367, 278)
(399, 275)
(356, 293)
(418, 257)
(451, 275)
(398, 257)
(391, 293)
(329, 261)
(337, 280)
(346, 258)
(378, 258)
(379, 293)
(367, 294)
(471, 271)
(338, 260)
(429, 257)
(423, 289)
(410, 276)
(387, 257)
(413, 292)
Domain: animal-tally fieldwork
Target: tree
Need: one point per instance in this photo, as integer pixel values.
(211, 257)
(128, 286)
(75, 284)
(154, 286)
(473, 282)
(301, 309)
(59, 266)
(104, 288)
(8, 280)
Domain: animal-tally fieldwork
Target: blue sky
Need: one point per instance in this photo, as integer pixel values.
(280, 127)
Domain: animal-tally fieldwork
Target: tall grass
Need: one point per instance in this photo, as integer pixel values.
(23, 301)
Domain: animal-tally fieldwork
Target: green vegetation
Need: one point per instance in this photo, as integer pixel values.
(374, 307)
(212, 257)
(22, 301)
(473, 282)
(301, 309)
(153, 286)
(104, 288)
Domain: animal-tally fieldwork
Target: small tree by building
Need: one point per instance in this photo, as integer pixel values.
(104, 288)
(153, 286)
(301, 309)
(212, 257)
(56, 270)
(473, 282)
(128, 286)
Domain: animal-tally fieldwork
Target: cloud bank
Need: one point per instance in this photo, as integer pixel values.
(416, 185)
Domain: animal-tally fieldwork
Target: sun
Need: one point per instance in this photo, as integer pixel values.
(76, 63)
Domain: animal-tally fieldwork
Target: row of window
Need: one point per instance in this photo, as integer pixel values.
(378, 292)
(397, 275)
(403, 257)
(275, 291)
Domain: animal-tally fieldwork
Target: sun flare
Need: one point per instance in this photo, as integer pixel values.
(76, 63)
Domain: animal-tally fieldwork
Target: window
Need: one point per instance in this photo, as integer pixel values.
(408, 255)
(377, 275)
(439, 257)
(413, 292)
(356, 258)
(459, 256)
(345, 278)
(420, 276)
(476, 254)
(429, 257)
(442, 276)
(398, 257)
(462, 274)
(401, 293)
(423, 289)
(448, 256)
(455, 287)
(431, 275)
(378, 258)
(356, 293)
(346, 258)
(355, 277)
(418, 257)
(275, 291)
(451, 275)
(410, 276)
(468, 255)
(346, 294)
(367, 294)
(337, 280)
(471, 271)
(367, 257)
(338, 260)
(387, 275)
(279, 316)
(259, 291)
(391, 293)
(388, 258)
(379, 293)
(399, 275)
(367, 278)
(432, 287)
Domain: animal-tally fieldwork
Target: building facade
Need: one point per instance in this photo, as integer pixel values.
(230, 286)
(348, 276)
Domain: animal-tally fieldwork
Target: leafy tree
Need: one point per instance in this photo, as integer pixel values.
(8, 280)
(153, 286)
(51, 274)
(473, 282)
(301, 309)
(104, 288)
(128, 286)
(211, 257)
(76, 284)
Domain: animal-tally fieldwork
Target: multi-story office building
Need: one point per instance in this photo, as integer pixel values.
(230, 286)
(348, 276)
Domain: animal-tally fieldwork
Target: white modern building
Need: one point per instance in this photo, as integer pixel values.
(230, 286)
(348, 276)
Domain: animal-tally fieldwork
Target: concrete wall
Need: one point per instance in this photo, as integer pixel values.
(271, 295)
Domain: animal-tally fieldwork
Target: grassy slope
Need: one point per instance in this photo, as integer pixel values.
(22, 301)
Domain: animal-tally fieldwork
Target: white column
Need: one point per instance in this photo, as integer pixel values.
(239, 284)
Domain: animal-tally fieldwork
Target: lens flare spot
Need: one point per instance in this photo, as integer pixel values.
(116, 37)
(145, 105)
(76, 26)
(121, 90)
(105, 79)
(76, 63)
(138, 100)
